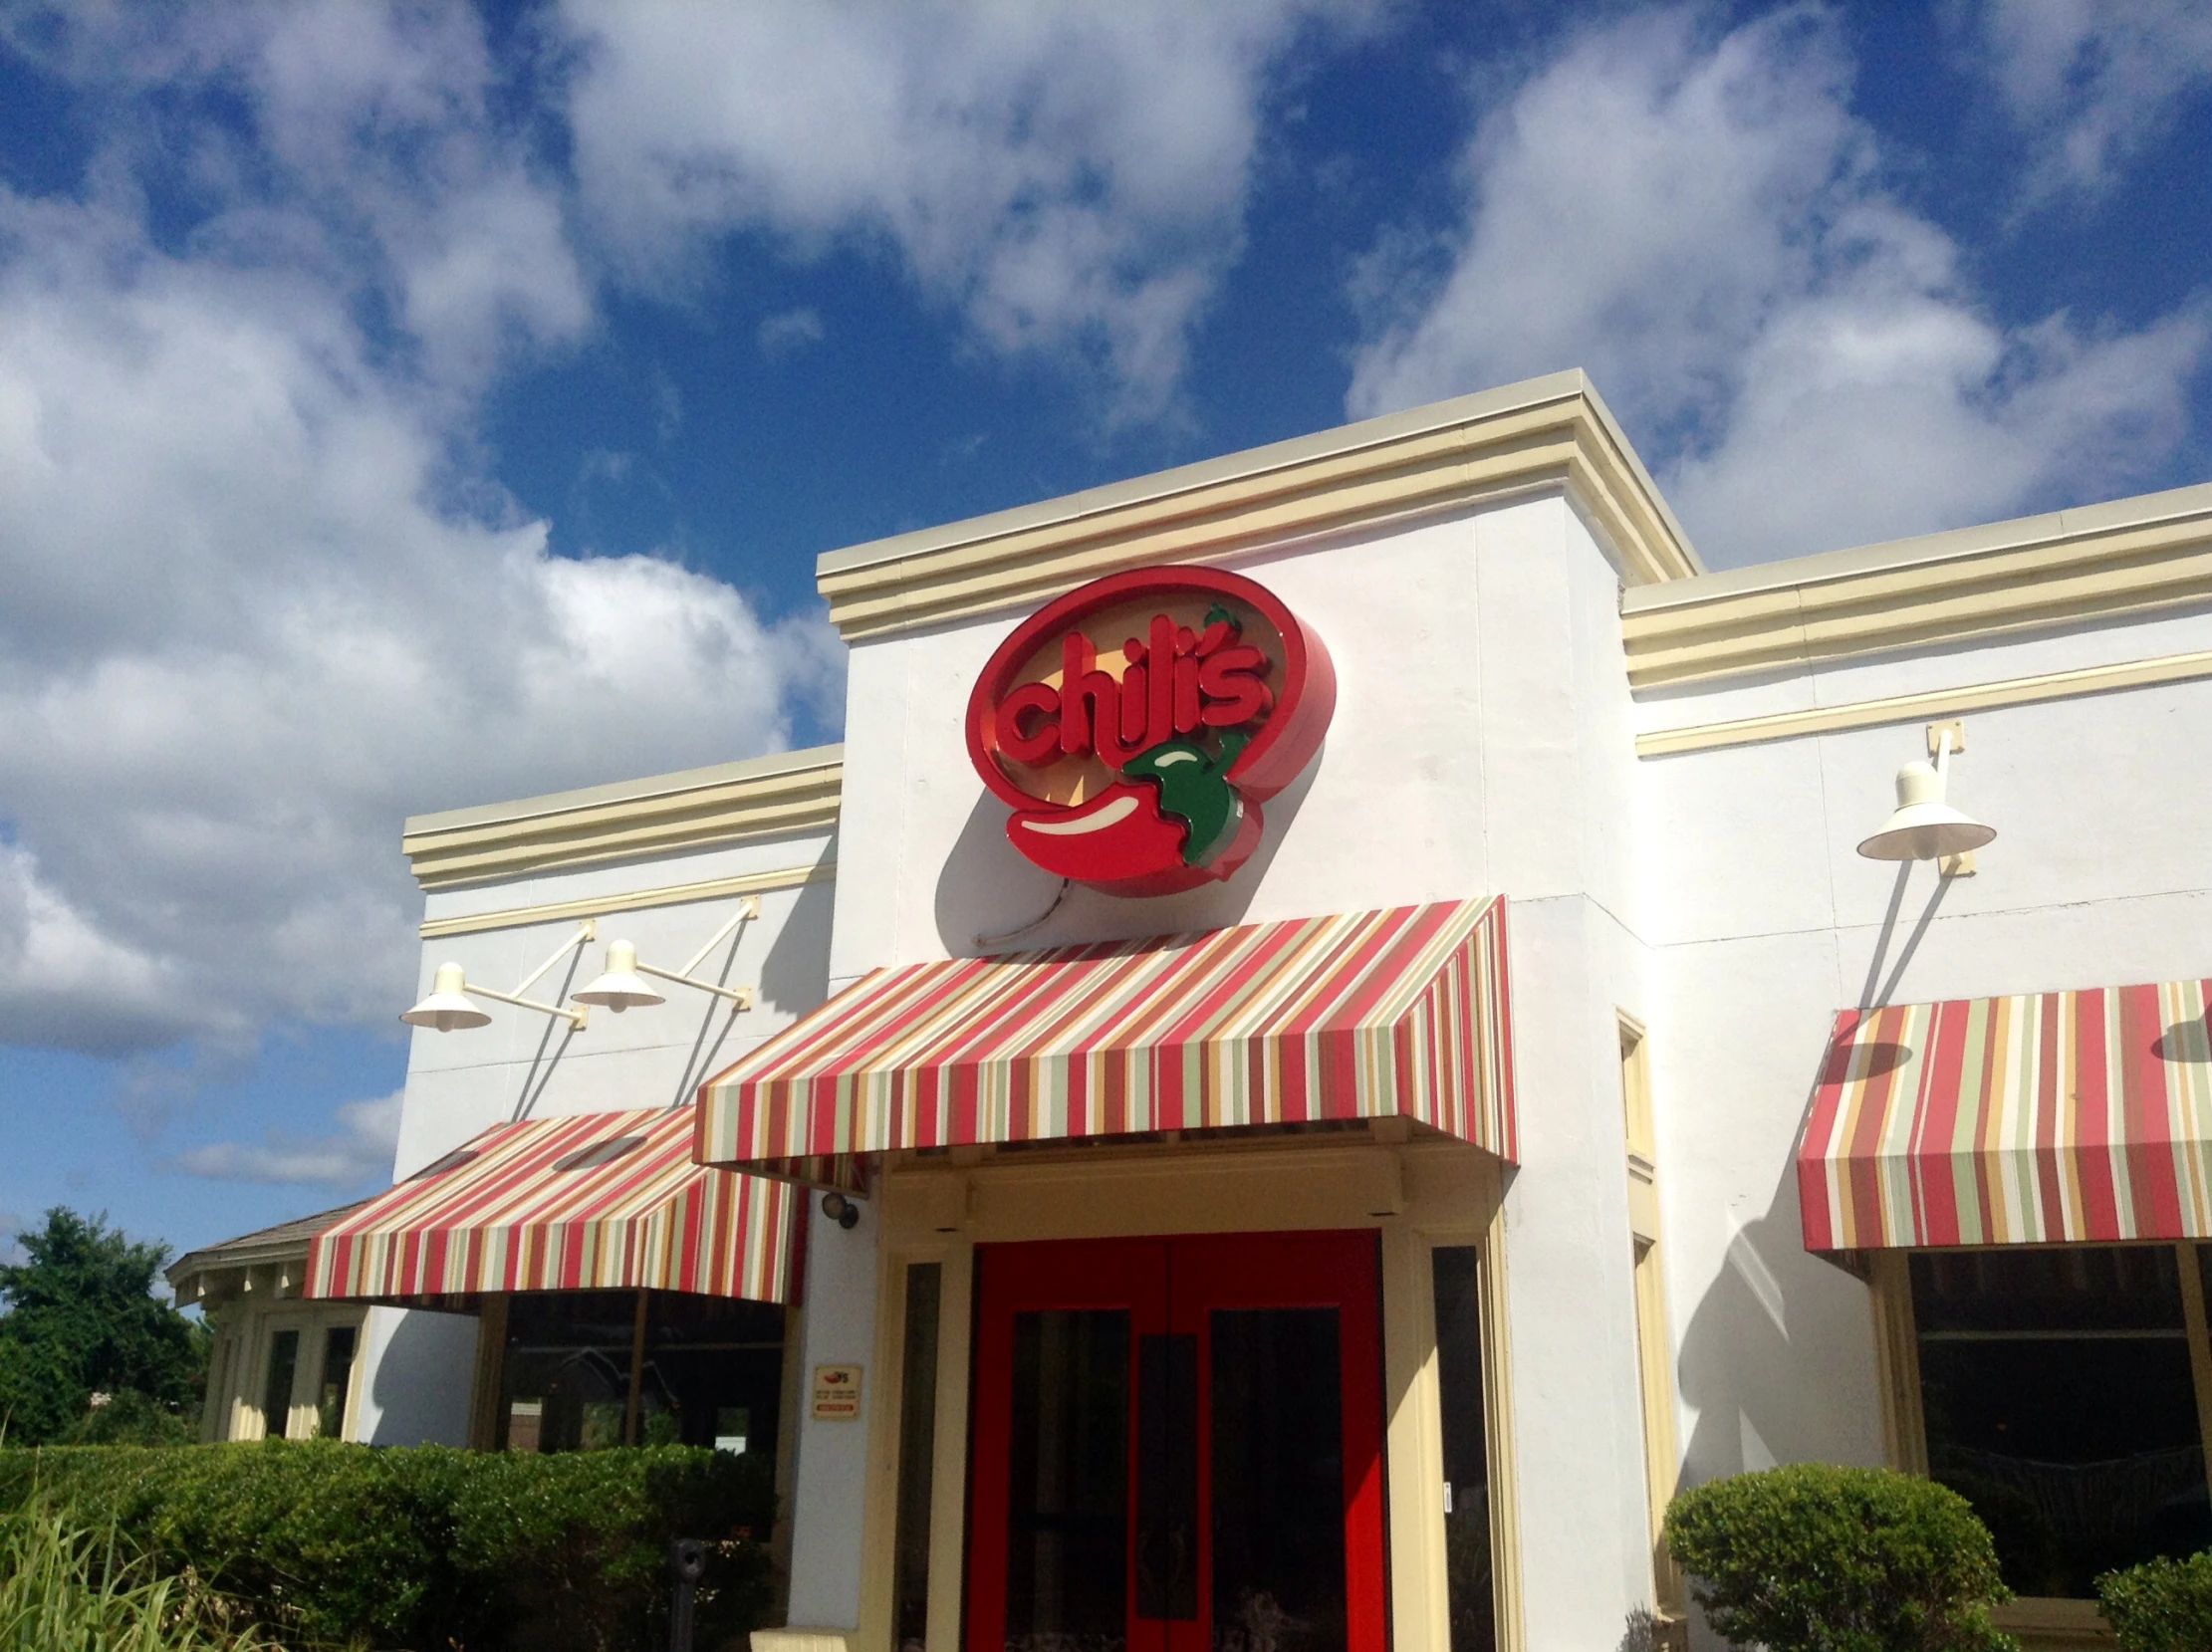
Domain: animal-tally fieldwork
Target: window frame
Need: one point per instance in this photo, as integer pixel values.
(1888, 1276)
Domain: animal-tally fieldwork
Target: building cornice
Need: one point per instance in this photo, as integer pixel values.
(2098, 562)
(1546, 434)
(767, 797)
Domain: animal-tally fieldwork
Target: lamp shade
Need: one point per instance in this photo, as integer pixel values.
(447, 1008)
(620, 986)
(1923, 826)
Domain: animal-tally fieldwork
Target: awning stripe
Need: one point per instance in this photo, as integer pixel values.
(588, 1201)
(1360, 1015)
(2074, 1117)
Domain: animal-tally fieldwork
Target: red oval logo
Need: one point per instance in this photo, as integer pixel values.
(1136, 723)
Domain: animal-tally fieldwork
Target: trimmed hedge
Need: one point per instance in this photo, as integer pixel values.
(428, 1546)
(2160, 1605)
(1814, 1557)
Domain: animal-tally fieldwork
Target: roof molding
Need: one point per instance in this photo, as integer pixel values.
(2097, 562)
(763, 797)
(1551, 432)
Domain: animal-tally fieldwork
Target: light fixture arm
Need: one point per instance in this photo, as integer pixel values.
(585, 931)
(749, 907)
(1943, 761)
(742, 997)
(572, 1014)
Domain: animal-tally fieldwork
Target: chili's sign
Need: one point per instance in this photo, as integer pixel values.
(1136, 725)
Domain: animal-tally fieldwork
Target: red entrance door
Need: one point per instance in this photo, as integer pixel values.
(1178, 1445)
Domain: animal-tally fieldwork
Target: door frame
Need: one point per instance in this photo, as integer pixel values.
(1417, 1193)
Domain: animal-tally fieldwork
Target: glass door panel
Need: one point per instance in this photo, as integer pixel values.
(1277, 1474)
(1066, 1517)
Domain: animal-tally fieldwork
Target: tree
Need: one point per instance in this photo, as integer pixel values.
(82, 1317)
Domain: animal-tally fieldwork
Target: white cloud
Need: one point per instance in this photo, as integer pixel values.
(360, 1152)
(255, 616)
(1702, 224)
(1071, 178)
(790, 330)
(2092, 82)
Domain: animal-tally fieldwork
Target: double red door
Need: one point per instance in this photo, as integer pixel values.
(1178, 1445)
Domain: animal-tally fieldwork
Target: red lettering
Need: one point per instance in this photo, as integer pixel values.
(1134, 678)
(1160, 705)
(1232, 686)
(1089, 704)
(1041, 741)
(1188, 707)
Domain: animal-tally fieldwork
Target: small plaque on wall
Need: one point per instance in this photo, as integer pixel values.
(836, 1393)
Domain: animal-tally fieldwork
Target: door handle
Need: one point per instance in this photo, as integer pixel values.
(1168, 1476)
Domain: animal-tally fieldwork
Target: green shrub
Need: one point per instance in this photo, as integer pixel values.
(430, 1547)
(2160, 1605)
(64, 1590)
(131, 1418)
(1814, 1557)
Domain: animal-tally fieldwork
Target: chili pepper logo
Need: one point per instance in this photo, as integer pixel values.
(1141, 769)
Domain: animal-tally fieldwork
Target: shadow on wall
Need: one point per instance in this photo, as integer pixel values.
(422, 1379)
(1759, 1398)
(987, 888)
(793, 977)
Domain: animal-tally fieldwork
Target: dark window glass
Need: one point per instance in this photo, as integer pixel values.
(712, 1371)
(1466, 1450)
(1278, 1478)
(1067, 1528)
(276, 1391)
(917, 1441)
(338, 1371)
(565, 1384)
(2060, 1401)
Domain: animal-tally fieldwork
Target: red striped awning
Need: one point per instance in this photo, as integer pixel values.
(2046, 1117)
(587, 1201)
(1371, 1015)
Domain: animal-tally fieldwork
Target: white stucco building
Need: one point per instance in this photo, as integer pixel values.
(1636, 1170)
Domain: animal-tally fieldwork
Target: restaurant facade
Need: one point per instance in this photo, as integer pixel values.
(1345, 1019)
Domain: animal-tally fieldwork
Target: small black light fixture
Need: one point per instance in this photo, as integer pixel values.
(841, 1210)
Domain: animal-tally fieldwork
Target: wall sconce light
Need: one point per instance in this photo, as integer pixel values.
(841, 1210)
(1924, 826)
(448, 1010)
(622, 985)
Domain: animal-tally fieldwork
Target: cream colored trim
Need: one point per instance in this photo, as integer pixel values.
(1418, 1194)
(637, 900)
(1497, 1401)
(771, 796)
(1904, 1429)
(487, 1372)
(2044, 1625)
(2132, 556)
(1934, 702)
(2194, 1317)
(879, 1481)
(1413, 1444)
(948, 1481)
(1551, 432)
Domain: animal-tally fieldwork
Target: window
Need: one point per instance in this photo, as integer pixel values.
(338, 1371)
(917, 1445)
(1654, 1351)
(582, 1371)
(1470, 1591)
(276, 1388)
(2064, 1392)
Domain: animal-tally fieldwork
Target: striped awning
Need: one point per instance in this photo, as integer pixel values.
(587, 1202)
(2046, 1117)
(1369, 1014)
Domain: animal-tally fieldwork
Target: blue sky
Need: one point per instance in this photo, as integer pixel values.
(405, 407)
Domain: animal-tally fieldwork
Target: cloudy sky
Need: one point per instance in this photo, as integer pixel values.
(410, 407)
